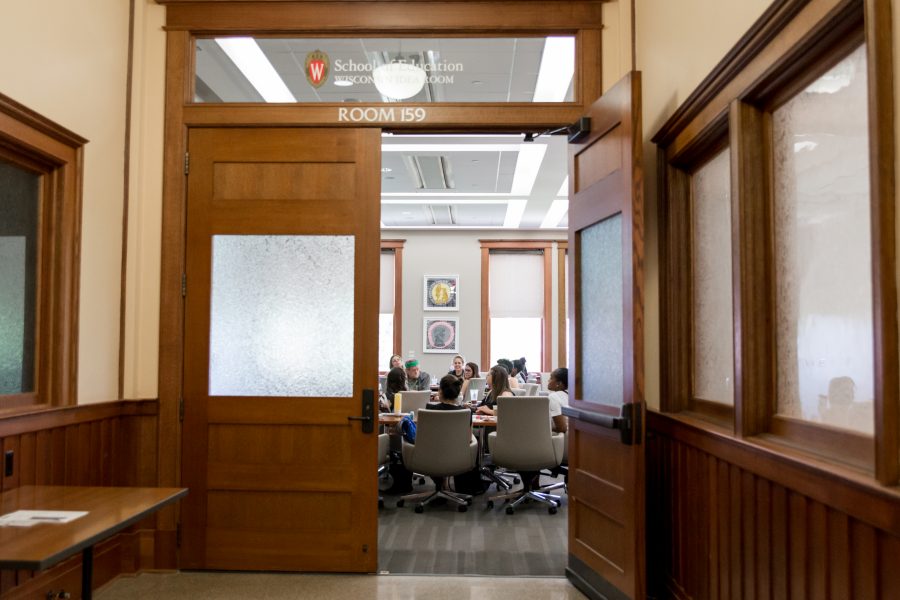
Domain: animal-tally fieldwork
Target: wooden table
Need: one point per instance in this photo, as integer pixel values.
(110, 510)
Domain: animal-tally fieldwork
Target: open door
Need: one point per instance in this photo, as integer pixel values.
(281, 336)
(606, 412)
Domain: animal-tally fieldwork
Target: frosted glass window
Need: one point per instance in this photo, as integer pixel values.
(601, 311)
(19, 215)
(823, 251)
(282, 316)
(386, 311)
(711, 280)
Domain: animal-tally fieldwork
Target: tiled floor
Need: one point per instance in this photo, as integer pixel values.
(234, 586)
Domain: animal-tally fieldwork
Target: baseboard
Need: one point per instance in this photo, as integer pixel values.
(589, 583)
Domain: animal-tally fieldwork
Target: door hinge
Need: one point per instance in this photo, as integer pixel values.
(183, 285)
(187, 163)
(178, 535)
(181, 409)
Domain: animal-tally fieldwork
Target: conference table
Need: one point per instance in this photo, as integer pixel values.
(42, 545)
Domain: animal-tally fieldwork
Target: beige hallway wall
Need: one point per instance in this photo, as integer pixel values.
(68, 61)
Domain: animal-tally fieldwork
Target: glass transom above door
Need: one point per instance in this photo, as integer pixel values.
(379, 70)
(281, 316)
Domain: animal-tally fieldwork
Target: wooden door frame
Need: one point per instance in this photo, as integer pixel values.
(186, 20)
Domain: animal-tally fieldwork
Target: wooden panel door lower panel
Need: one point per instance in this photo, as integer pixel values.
(283, 483)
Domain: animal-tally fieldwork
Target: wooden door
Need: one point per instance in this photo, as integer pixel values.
(606, 442)
(280, 348)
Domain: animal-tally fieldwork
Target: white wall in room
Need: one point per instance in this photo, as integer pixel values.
(69, 61)
(677, 45)
(450, 253)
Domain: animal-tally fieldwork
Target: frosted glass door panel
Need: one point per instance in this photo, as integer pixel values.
(281, 316)
(712, 295)
(601, 312)
(823, 251)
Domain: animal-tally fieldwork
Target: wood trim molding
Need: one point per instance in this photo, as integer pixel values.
(562, 309)
(49, 417)
(58, 155)
(547, 339)
(321, 16)
(882, 125)
(752, 257)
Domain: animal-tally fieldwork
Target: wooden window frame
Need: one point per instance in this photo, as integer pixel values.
(396, 246)
(793, 43)
(55, 154)
(547, 326)
(562, 253)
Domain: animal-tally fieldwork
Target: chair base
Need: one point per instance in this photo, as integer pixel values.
(462, 501)
(529, 492)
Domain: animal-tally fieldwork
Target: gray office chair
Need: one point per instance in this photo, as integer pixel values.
(525, 443)
(519, 392)
(413, 401)
(384, 459)
(531, 389)
(444, 447)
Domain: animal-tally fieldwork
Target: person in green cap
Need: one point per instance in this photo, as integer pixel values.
(416, 378)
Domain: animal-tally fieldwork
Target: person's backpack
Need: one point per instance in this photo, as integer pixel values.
(408, 429)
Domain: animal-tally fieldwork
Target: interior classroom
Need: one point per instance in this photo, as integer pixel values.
(691, 207)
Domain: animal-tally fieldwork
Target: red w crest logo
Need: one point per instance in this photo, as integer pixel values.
(317, 68)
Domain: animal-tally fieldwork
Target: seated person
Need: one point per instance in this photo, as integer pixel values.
(395, 382)
(456, 366)
(507, 364)
(559, 397)
(416, 378)
(519, 371)
(469, 371)
(498, 380)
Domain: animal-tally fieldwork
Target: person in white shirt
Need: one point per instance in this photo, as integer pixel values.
(559, 397)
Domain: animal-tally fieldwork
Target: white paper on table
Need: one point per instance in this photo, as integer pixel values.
(27, 518)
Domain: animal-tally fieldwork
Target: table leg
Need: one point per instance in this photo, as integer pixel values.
(87, 572)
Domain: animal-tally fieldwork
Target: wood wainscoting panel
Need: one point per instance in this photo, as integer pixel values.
(737, 528)
(112, 443)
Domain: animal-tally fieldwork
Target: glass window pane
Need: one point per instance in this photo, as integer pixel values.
(712, 293)
(516, 337)
(379, 70)
(823, 251)
(281, 317)
(600, 312)
(19, 215)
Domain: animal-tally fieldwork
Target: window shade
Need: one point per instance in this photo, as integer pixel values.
(386, 303)
(516, 285)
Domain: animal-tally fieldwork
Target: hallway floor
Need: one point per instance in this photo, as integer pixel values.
(271, 586)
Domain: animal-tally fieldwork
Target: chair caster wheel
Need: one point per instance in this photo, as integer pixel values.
(380, 503)
(490, 504)
(552, 510)
(469, 502)
(420, 509)
(399, 503)
(516, 480)
(462, 508)
(510, 510)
